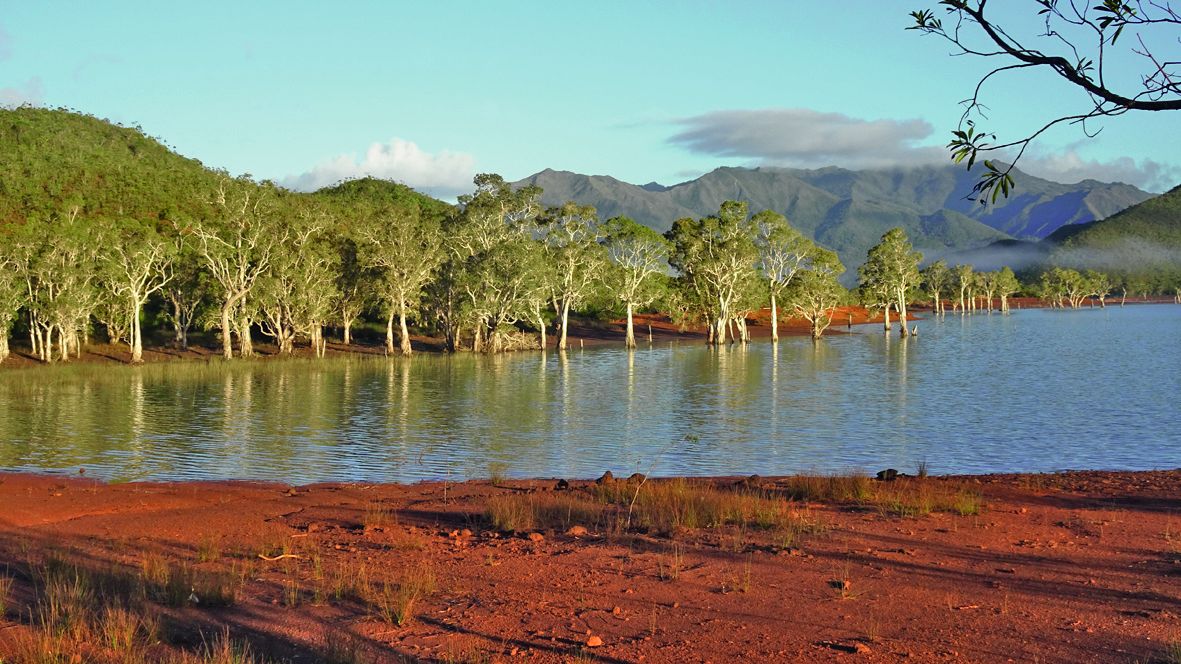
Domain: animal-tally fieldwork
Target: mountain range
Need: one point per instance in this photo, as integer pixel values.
(848, 211)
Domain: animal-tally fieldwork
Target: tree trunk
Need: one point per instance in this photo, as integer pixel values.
(389, 333)
(477, 339)
(902, 315)
(3, 346)
(38, 341)
(774, 319)
(817, 331)
(348, 332)
(137, 342)
(405, 340)
(886, 318)
(629, 340)
(244, 339)
(64, 344)
(565, 322)
(178, 334)
(33, 334)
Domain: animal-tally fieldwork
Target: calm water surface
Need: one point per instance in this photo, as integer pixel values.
(1035, 391)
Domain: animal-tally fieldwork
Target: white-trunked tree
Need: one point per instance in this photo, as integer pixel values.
(641, 257)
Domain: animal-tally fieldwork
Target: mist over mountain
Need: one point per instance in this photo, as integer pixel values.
(848, 210)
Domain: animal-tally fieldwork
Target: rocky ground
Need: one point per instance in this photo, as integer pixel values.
(1071, 567)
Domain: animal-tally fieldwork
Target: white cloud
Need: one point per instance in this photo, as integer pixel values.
(444, 175)
(31, 92)
(806, 138)
(1070, 167)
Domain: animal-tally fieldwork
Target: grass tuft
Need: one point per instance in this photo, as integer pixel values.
(394, 602)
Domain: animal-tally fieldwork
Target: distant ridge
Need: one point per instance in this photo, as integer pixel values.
(848, 210)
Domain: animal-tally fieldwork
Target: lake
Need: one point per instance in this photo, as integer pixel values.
(1038, 390)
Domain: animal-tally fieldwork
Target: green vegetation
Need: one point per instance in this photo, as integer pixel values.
(1140, 248)
(889, 274)
(106, 233)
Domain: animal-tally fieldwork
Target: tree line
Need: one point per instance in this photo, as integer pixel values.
(496, 272)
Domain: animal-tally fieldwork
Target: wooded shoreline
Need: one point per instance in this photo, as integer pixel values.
(583, 334)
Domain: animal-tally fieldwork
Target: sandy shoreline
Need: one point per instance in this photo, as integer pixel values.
(1067, 567)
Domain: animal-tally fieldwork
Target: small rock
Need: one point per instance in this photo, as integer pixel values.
(605, 478)
(616, 611)
(465, 533)
(576, 531)
(861, 648)
(536, 537)
(887, 475)
(594, 642)
(562, 485)
(636, 478)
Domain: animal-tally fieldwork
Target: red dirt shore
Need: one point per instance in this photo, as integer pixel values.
(1070, 567)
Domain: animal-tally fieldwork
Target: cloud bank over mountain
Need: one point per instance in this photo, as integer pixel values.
(806, 138)
(444, 174)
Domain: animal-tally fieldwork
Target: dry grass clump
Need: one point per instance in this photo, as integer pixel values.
(342, 648)
(519, 513)
(186, 585)
(5, 592)
(853, 488)
(111, 615)
(905, 496)
(394, 602)
(680, 503)
(670, 505)
(921, 497)
(651, 506)
(222, 650)
(97, 617)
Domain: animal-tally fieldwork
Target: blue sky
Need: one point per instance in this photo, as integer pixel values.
(432, 92)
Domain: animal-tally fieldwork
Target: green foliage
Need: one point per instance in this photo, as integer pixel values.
(51, 161)
(1141, 245)
(716, 257)
(890, 272)
(816, 291)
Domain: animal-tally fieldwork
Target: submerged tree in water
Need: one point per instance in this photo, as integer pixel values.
(716, 257)
(890, 273)
(783, 252)
(815, 291)
(936, 280)
(641, 257)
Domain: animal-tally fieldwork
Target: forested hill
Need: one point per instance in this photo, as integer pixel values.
(51, 160)
(849, 211)
(1143, 241)
(54, 161)
(377, 192)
